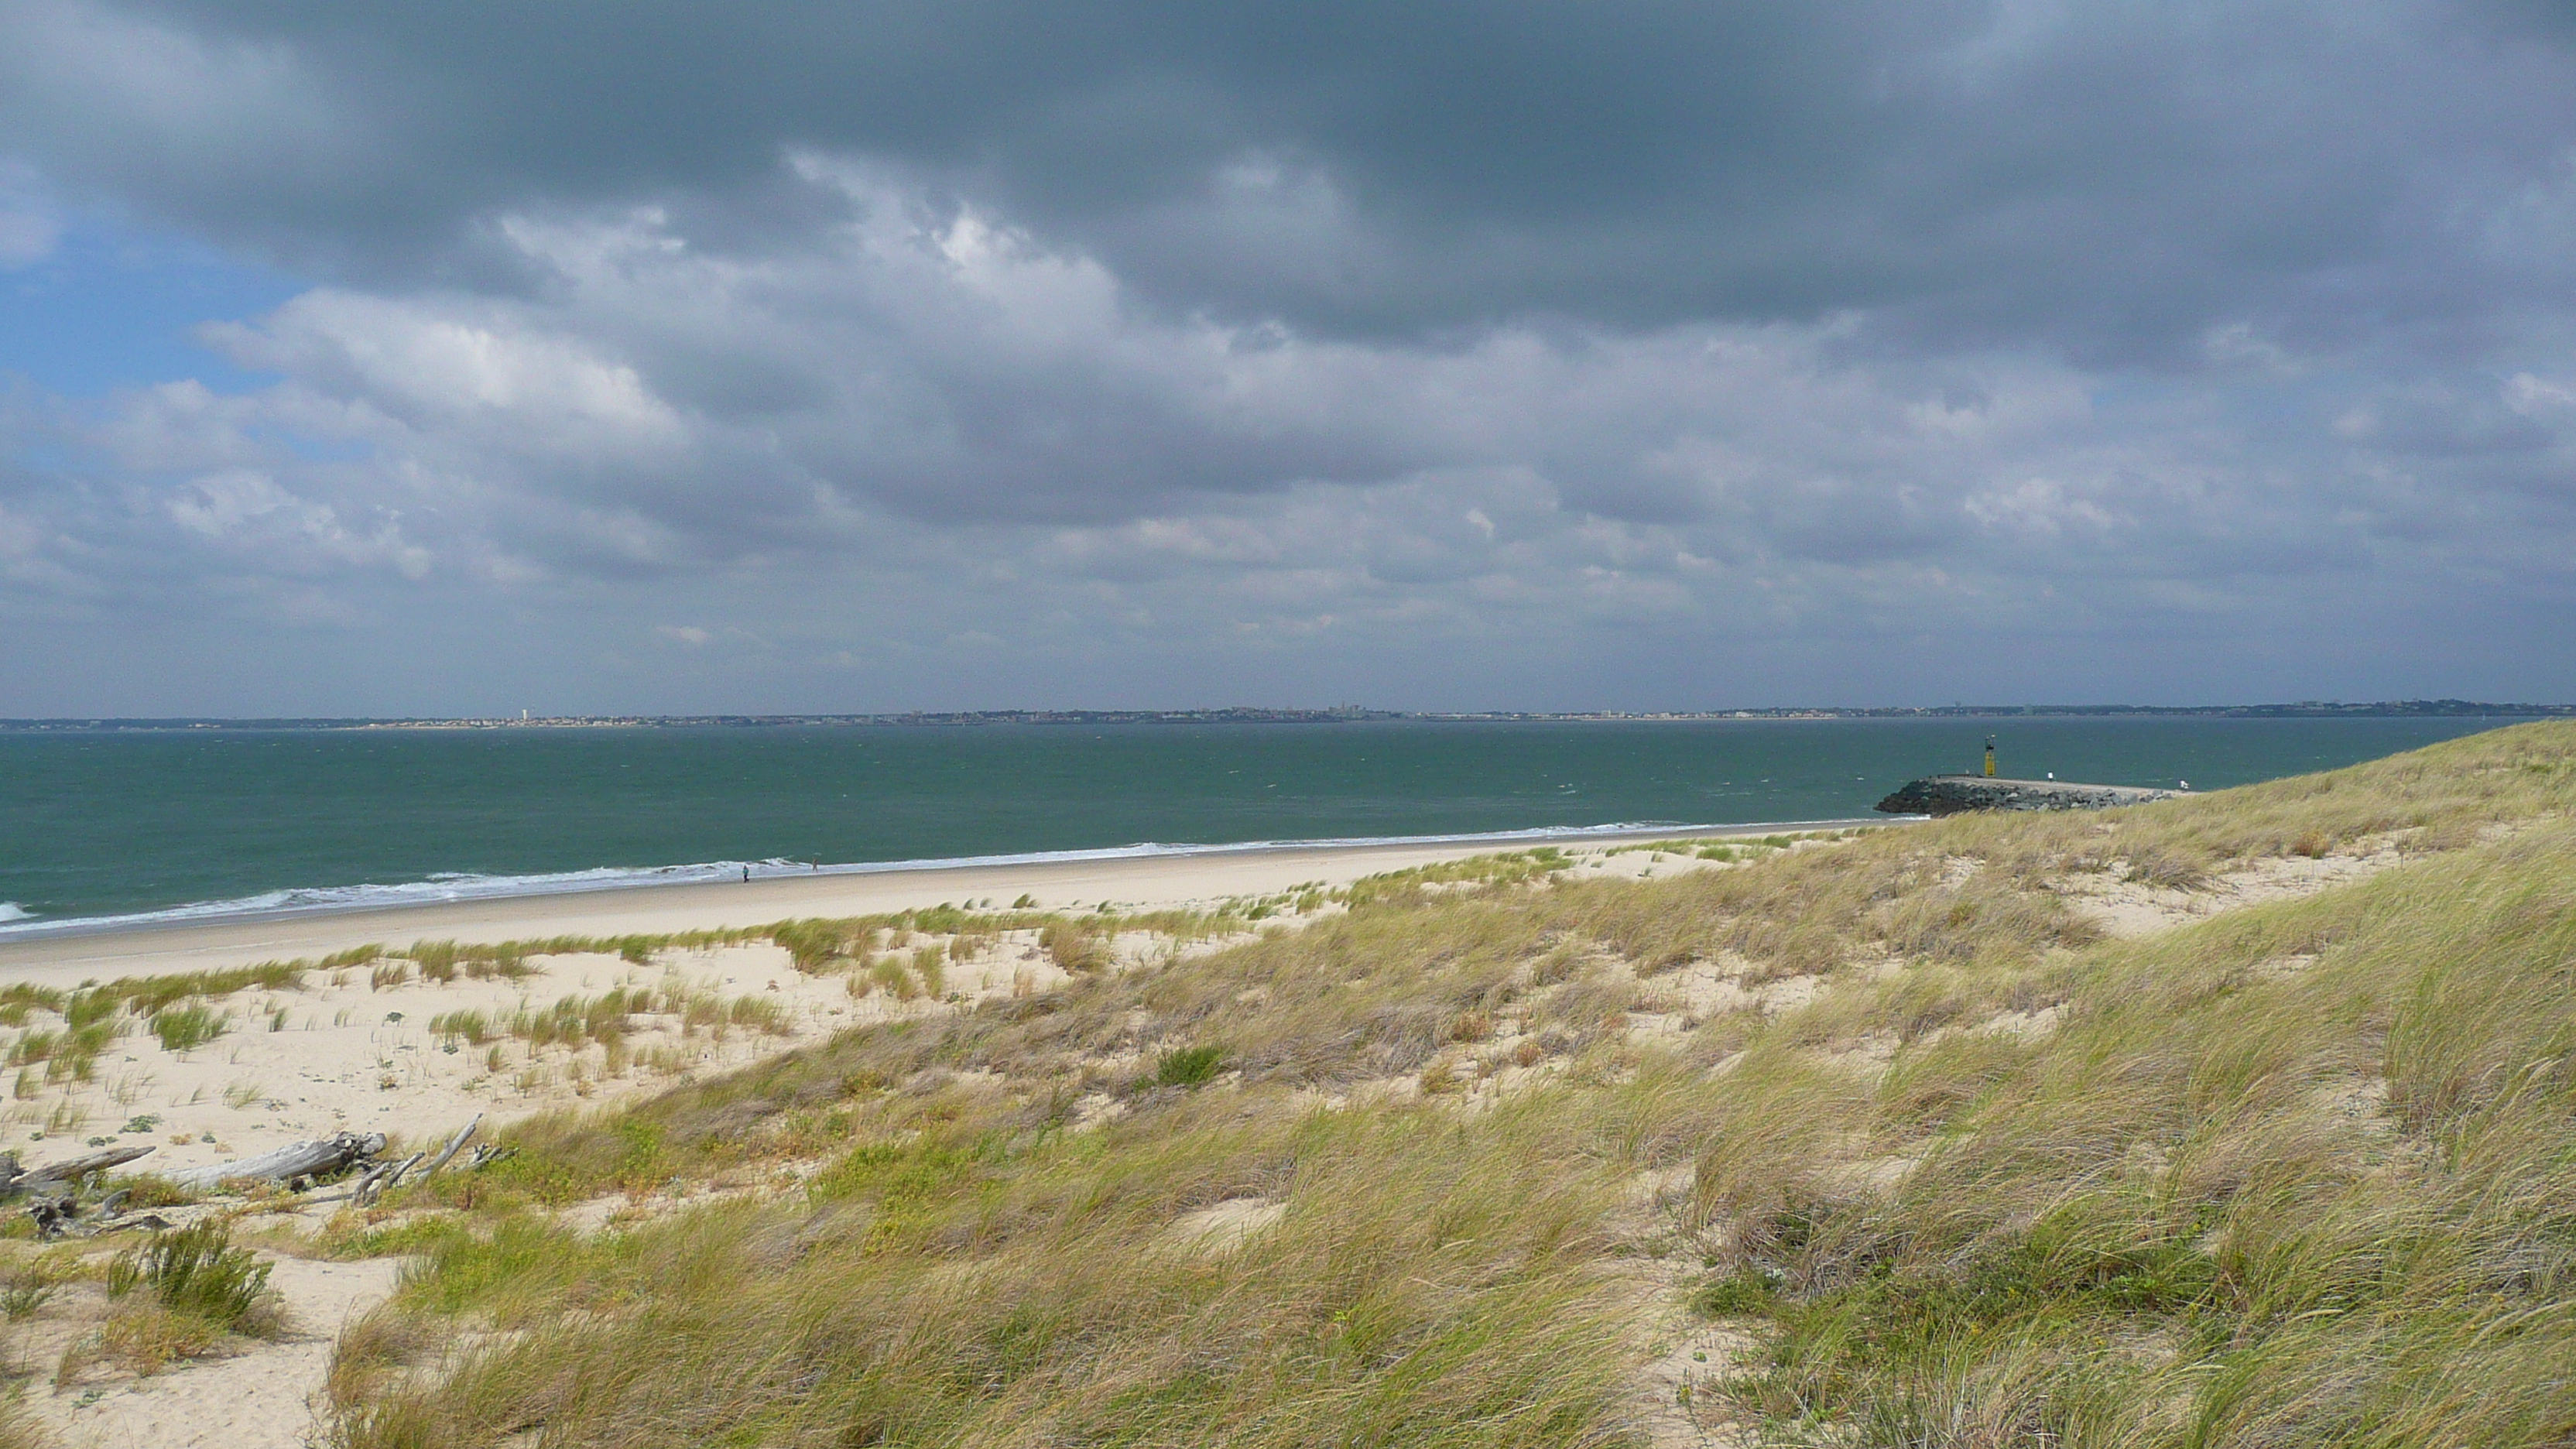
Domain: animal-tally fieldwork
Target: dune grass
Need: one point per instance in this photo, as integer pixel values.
(184, 1028)
(1956, 1169)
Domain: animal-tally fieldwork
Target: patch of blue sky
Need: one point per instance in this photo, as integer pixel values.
(111, 308)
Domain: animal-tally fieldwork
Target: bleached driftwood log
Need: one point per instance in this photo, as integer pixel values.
(60, 1176)
(453, 1143)
(285, 1164)
(394, 1179)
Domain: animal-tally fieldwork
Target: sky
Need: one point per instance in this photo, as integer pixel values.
(390, 359)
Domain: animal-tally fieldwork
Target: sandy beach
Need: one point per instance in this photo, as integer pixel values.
(376, 1045)
(1136, 882)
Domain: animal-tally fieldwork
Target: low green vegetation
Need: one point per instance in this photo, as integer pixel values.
(183, 1028)
(1927, 1155)
(194, 1270)
(1189, 1066)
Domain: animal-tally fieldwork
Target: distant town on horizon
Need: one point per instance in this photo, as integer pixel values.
(1339, 714)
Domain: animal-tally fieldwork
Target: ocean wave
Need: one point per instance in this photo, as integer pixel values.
(444, 888)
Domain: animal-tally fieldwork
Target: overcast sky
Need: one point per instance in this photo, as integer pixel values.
(399, 358)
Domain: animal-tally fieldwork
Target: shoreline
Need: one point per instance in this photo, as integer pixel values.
(1173, 877)
(466, 889)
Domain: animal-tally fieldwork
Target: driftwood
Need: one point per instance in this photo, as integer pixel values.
(453, 1143)
(381, 1179)
(394, 1179)
(285, 1164)
(57, 1217)
(56, 1177)
(51, 1214)
(368, 1182)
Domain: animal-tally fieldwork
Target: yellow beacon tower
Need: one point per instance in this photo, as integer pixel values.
(1990, 757)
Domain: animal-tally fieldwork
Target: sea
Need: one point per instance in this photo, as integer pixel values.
(104, 829)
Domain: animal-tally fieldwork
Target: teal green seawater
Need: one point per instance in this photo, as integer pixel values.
(99, 825)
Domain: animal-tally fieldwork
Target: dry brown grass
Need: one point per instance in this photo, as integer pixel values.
(1966, 1173)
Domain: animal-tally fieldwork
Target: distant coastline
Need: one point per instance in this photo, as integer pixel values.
(2305, 709)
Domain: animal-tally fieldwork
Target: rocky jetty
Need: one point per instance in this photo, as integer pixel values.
(1951, 794)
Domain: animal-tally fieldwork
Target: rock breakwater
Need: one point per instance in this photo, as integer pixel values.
(1952, 794)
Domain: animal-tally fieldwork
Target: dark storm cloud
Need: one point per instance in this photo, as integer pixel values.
(2106, 177)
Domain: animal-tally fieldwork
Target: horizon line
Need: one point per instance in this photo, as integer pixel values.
(1255, 714)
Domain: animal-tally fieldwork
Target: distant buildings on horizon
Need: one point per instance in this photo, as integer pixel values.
(2305, 709)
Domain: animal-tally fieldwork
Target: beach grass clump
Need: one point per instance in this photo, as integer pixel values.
(1950, 1166)
(818, 945)
(813, 945)
(198, 1272)
(763, 1014)
(94, 1016)
(34, 1046)
(69, 1054)
(698, 1011)
(1075, 947)
(472, 1028)
(1510, 868)
(890, 976)
(19, 999)
(577, 1021)
(142, 1337)
(146, 995)
(930, 963)
(92, 1007)
(445, 960)
(185, 1028)
(1189, 1066)
(23, 1292)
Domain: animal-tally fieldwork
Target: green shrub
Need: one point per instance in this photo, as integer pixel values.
(1189, 1066)
(1735, 1295)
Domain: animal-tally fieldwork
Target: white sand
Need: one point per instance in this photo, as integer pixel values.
(253, 1395)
